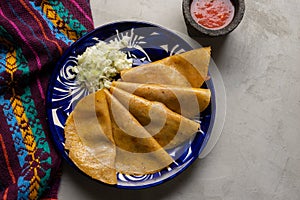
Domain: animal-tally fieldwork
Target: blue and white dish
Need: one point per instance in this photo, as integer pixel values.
(148, 42)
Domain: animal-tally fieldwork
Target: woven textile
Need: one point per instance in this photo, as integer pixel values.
(33, 35)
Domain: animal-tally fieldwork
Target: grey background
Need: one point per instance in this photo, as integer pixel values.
(258, 154)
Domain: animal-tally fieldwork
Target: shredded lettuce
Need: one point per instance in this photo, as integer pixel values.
(99, 64)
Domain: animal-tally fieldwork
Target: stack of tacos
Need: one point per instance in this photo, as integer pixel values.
(129, 127)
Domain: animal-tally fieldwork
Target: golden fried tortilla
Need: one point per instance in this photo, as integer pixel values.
(168, 128)
(138, 152)
(182, 70)
(88, 135)
(182, 100)
(83, 159)
(199, 58)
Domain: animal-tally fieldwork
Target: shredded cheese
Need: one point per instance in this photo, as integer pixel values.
(99, 64)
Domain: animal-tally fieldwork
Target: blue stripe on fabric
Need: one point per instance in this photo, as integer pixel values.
(14, 128)
(2, 61)
(74, 24)
(39, 137)
(18, 144)
(35, 125)
(24, 191)
(58, 35)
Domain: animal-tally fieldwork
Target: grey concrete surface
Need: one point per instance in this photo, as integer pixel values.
(258, 154)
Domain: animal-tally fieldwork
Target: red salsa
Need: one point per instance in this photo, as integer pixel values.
(212, 14)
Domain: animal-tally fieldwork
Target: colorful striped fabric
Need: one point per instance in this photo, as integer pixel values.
(33, 35)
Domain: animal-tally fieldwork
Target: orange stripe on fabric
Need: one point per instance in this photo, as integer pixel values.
(41, 26)
(11, 65)
(29, 142)
(26, 131)
(58, 22)
(5, 194)
(13, 179)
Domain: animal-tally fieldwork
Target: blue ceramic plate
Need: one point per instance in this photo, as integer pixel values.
(148, 43)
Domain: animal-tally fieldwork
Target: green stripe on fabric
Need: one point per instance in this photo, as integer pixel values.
(42, 147)
(74, 24)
